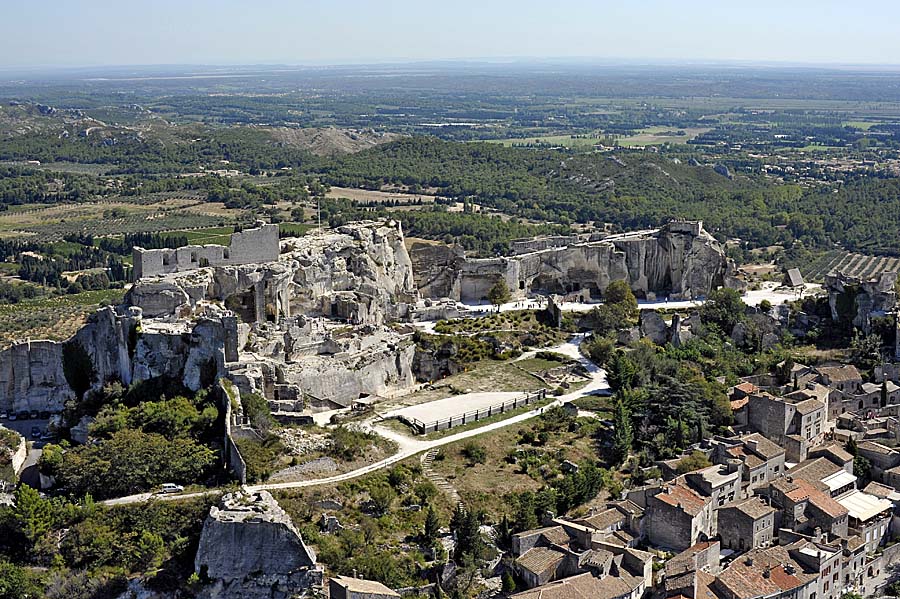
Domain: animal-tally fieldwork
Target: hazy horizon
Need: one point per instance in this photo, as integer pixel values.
(103, 33)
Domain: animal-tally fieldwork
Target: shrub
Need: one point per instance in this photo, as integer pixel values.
(474, 453)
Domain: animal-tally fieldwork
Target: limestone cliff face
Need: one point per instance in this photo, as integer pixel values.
(360, 272)
(680, 260)
(250, 549)
(31, 377)
(859, 300)
(31, 373)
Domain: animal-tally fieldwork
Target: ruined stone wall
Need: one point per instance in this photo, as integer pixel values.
(249, 246)
(680, 260)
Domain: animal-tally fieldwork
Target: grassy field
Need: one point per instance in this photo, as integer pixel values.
(520, 455)
(568, 141)
(56, 318)
(660, 135)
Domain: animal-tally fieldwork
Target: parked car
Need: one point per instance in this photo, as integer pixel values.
(4, 415)
(35, 432)
(45, 415)
(170, 488)
(23, 415)
(12, 416)
(35, 414)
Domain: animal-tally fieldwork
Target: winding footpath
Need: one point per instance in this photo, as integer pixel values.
(409, 446)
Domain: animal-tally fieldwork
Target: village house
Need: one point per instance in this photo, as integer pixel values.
(822, 471)
(804, 507)
(845, 378)
(870, 517)
(795, 425)
(762, 461)
(677, 517)
(344, 587)
(834, 453)
(883, 460)
(681, 571)
(746, 524)
(568, 548)
(769, 572)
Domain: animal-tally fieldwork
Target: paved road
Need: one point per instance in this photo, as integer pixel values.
(409, 446)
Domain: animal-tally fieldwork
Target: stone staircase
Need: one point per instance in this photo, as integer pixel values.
(436, 479)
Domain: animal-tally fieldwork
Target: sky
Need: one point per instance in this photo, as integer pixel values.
(72, 33)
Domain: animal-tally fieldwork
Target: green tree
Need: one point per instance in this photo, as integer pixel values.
(382, 498)
(474, 453)
(432, 528)
(18, 583)
(621, 371)
(623, 436)
(465, 526)
(619, 294)
(695, 461)
(499, 294)
(32, 514)
(724, 308)
(509, 584)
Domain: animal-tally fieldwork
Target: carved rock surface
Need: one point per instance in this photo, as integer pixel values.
(680, 260)
(250, 549)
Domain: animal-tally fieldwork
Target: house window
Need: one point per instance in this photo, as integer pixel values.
(226, 254)
(193, 256)
(165, 259)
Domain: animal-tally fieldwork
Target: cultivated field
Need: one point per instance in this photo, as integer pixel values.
(857, 265)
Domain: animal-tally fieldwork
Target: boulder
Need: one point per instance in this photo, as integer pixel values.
(653, 327)
(249, 548)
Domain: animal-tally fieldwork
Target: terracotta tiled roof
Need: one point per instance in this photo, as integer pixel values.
(681, 496)
(761, 445)
(814, 470)
(737, 404)
(747, 387)
(584, 586)
(840, 374)
(540, 559)
(808, 406)
(603, 520)
(763, 572)
(754, 508)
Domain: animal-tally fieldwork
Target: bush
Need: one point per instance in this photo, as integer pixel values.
(261, 457)
(474, 453)
(349, 444)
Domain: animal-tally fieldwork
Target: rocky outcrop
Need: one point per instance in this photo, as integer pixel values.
(436, 267)
(309, 361)
(250, 549)
(681, 260)
(857, 301)
(32, 375)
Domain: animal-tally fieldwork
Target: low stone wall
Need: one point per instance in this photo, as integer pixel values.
(234, 461)
(19, 457)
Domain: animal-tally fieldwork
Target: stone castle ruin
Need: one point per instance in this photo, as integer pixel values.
(250, 246)
(680, 260)
(312, 323)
